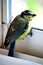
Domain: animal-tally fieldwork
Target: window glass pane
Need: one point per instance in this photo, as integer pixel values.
(17, 6)
(8, 11)
(37, 7)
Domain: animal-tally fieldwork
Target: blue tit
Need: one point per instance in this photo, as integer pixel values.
(18, 29)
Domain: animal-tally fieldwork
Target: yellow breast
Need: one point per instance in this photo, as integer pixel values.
(26, 32)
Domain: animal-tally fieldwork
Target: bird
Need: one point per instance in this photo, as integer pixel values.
(19, 28)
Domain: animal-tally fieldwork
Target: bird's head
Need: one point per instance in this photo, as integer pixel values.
(27, 14)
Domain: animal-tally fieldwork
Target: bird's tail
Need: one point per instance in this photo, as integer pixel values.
(11, 50)
(6, 43)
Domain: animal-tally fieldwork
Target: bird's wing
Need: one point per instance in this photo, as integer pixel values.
(15, 30)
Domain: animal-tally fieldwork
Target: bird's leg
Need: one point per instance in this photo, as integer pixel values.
(11, 50)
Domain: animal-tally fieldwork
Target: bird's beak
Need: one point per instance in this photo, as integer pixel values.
(33, 15)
